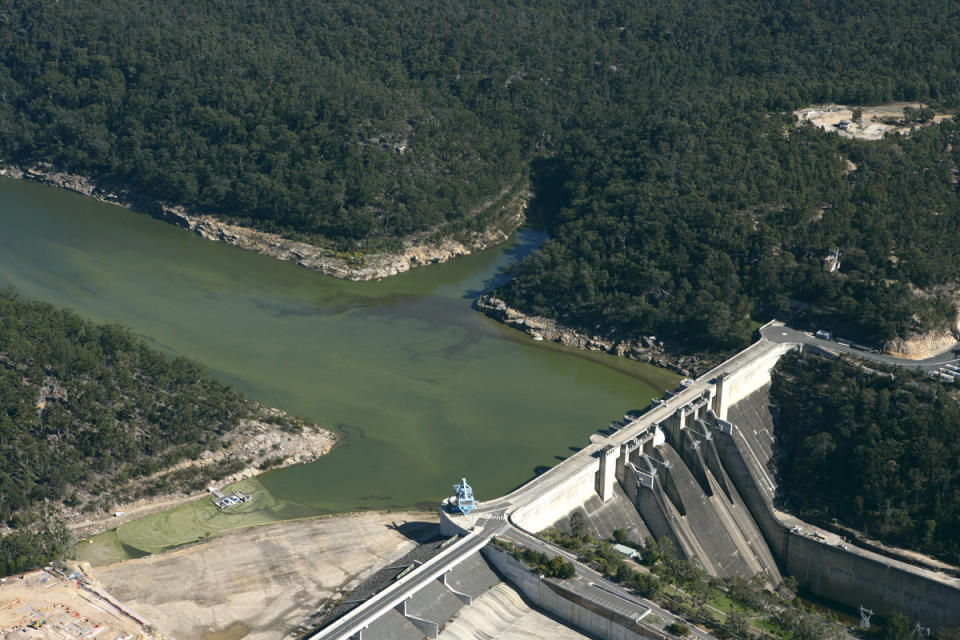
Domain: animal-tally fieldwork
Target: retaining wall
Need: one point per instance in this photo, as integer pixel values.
(573, 610)
(852, 577)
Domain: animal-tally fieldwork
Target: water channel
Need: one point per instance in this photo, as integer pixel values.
(424, 388)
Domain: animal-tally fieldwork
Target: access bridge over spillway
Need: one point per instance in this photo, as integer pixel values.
(701, 480)
(552, 495)
(697, 467)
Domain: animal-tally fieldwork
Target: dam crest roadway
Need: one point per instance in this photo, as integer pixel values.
(734, 463)
(728, 491)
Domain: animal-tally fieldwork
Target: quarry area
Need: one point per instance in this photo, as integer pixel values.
(870, 123)
(58, 603)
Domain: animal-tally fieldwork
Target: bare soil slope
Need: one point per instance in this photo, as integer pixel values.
(261, 582)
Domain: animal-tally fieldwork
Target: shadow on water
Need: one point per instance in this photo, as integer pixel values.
(528, 241)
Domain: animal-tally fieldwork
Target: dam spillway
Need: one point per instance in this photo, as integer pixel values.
(695, 476)
(697, 469)
(682, 491)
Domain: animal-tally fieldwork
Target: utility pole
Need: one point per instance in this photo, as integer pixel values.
(865, 617)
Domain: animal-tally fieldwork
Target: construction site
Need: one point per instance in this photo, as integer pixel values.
(869, 123)
(61, 604)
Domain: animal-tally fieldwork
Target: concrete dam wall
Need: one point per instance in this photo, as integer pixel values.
(853, 576)
(693, 502)
(697, 470)
(569, 605)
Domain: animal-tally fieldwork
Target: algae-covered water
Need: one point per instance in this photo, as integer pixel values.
(423, 388)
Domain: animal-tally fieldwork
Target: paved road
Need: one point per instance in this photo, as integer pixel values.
(779, 333)
(494, 517)
(404, 588)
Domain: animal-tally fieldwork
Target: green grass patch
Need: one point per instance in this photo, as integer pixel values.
(105, 548)
(720, 600)
(770, 627)
(188, 523)
(201, 518)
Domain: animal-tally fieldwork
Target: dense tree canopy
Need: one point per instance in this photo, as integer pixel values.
(680, 197)
(878, 452)
(351, 120)
(730, 219)
(83, 408)
(694, 202)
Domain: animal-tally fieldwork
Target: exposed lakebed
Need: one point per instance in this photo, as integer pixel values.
(425, 389)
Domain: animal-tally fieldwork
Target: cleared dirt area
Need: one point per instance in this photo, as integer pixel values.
(875, 122)
(501, 613)
(45, 605)
(261, 582)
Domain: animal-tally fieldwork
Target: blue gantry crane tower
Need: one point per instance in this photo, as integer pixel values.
(464, 497)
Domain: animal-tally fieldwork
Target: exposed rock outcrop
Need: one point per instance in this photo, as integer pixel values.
(373, 266)
(931, 343)
(416, 250)
(922, 346)
(643, 349)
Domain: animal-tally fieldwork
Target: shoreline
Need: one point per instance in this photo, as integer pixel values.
(417, 250)
(373, 266)
(644, 349)
(259, 440)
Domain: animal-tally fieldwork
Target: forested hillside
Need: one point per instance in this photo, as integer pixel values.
(85, 408)
(877, 452)
(701, 203)
(680, 196)
(687, 230)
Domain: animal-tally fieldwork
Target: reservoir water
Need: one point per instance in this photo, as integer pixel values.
(424, 388)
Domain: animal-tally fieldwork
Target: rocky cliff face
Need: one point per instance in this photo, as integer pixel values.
(416, 251)
(643, 349)
(922, 346)
(931, 343)
(371, 266)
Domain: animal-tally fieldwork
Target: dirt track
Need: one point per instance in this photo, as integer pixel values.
(260, 582)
